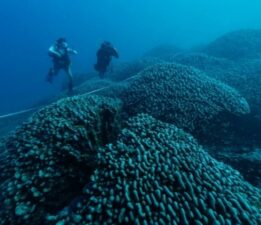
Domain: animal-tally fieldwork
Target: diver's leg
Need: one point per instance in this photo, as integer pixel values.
(49, 77)
(52, 72)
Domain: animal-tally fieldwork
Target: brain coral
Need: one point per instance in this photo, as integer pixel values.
(183, 95)
(157, 174)
(52, 154)
(237, 45)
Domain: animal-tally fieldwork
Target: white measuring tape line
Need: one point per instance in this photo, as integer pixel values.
(18, 113)
(35, 108)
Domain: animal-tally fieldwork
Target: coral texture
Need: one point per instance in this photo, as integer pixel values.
(158, 174)
(182, 95)
(51, 156)
(244, 76)
(237, 45)
(218, 68)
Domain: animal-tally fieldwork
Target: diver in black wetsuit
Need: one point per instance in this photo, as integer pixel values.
(59, 52)
(104, 57)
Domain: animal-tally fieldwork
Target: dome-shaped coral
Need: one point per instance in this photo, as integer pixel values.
(237, 45)
(182, 95)
(244, 76)
(50, 156)
(204, 62)
(158, 174)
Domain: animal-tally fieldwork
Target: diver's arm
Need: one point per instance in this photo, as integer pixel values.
(115, 53)
(72, 51)
(52, 51)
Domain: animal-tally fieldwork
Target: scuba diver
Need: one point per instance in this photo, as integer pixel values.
(59, 52)
(104, 57)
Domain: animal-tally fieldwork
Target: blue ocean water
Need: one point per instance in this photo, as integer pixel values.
(29, 27)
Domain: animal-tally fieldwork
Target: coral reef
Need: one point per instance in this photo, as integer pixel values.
(245, 131)
(246, 160)
(218, 68)
(182, 95)
(157, 174)
(5, 168)
(86, 160)
(237, 45)
(50, 157)
(243, 76)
